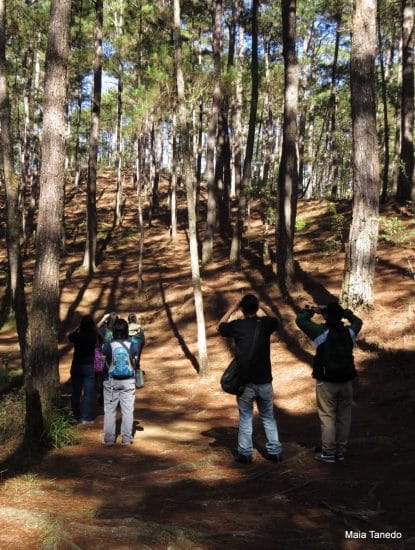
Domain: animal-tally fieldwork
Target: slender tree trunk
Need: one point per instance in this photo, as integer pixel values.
(334, 165)
(406, 188)
(288, 171)
(238, 132)
(118, 198)
(173, 183)
(77, 161)
(212, 202)
(13, 228)
(361, 248)
(385, 170)
(269, 138)
(235, 254)
(190, 195)
(42, 378)
(91, 240)
(397, 123)
(140, 282)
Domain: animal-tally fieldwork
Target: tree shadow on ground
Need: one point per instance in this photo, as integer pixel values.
(189, 355)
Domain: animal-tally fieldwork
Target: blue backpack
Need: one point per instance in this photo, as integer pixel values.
(121, 365)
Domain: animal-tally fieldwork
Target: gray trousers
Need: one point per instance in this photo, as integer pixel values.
(334, 403)
(120, 392)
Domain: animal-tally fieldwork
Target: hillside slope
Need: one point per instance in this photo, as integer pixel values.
(177, 486)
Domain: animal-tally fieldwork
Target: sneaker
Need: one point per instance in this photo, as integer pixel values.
(244, 459)
(127, 442)
(108, 443)
(325, 457)
(274, 457)
(339, 456)
(87, 422)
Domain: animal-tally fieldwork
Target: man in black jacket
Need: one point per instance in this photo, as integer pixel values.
(252, 341)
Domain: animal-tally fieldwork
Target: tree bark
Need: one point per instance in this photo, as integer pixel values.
(360, 260)
(118, 196)
(235, 254)
(42, 377)
(212, 206)
(288, 170)
(91, 240)
(190, 195)
(406, 188)
(385, 169)
(13, 227)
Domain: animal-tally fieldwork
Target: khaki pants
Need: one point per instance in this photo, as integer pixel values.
(334, 403)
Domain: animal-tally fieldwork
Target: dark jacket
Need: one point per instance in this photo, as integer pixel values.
(258, 369)
(318, 334)
(84, 347)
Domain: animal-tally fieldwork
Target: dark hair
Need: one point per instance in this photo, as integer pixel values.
(334, 314)
(132, 318)
(87, 325)
(249, 304)
(120, 329)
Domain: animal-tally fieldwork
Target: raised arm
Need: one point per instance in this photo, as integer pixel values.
(225, 318)
(268, 312)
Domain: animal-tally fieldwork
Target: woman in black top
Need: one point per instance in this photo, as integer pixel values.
(85, 339)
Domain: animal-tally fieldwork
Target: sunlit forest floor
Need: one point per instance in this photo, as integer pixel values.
(177, 486)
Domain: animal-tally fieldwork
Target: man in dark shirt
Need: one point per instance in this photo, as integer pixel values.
(253, 358)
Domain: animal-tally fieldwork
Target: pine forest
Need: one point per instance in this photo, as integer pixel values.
(159, 161)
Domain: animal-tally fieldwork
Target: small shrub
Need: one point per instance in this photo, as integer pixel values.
(61, 431)
(332, 246)
(300, 225)
(396, 232)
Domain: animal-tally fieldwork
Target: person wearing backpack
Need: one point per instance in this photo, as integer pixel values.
(119, 383)
(334, 370)
(136, 334)
(252, 342)
(85, 339)
(106, 326)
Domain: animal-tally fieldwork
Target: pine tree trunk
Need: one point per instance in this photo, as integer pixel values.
(173, 183)
(91, 240)
(235, 253)
(406, 188)
(118, 196)
(237, 142)
(332, 139)
(42, 378)
(140, 282)
(288, 171)
(212, 202)
(361, 248)
(77, 161)
(13, 228)
(190, 195)
(385, 169)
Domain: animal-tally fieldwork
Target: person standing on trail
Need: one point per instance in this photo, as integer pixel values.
(85, 339)
(136, 334)
(106, 326)
(334, 371)
(119, 383)
(252, 339)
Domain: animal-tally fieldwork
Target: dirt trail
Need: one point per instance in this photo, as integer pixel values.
(177, 486)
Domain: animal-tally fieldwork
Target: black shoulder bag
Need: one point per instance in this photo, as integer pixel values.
(232, 380)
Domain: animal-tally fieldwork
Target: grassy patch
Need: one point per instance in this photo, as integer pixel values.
(62, 431)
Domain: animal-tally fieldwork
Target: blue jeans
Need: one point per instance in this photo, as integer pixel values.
(263, 395)
(83, 391)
